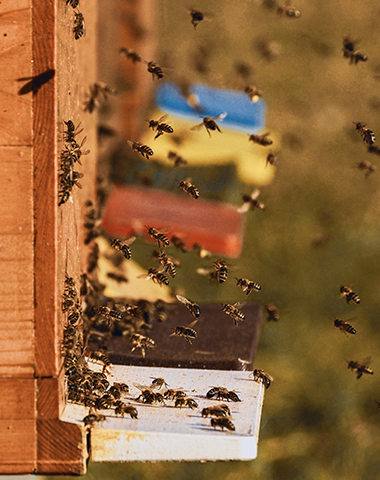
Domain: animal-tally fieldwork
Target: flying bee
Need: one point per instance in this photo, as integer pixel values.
(123, 246)
(167, 261)
(158, 236)
(158, 382)
(273, 312)
(221, 270)
(179, 243)
(367, 134)
(360, 368)
(344, 326)
(97, 90)
(177, 159)
(253, 93)
(71, 132)
(186, 402)
(367, 167)
(272, 158)
(349, 294)
(131, 54)
(156, 276)
(186, 332)
(251, 202)
(118, 277)
(193, 307)
(222, 392)
(188, 187)
(79, 29)
(285, 10)
(222, 422)
(142, 342)
(155, 70)
(140, 148)
(159, 126)
(246, 285)
(261, 139)
(233, 312)
(358, 57)
(161, 310)
(210, 124)
(201, 251)
(221, 410)
(109, 313)
(262, 377)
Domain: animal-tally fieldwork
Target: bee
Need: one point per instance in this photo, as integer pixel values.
(221, 270)
(72, 153)
(79, 29)
(188, 187)
(186, 332)
(131, 54)
(222, 392)
(96, 90)
(99, 356)
(222, 422)
(360, 368)
(140, 148)
(357, 57)
(156, 276)
(178, 160)
(196, 17)
(273, 312)
(261, 139)
(171, 394)
(344, 326)
(367, 167)
(131, 310)
(92, 418)
(158, 382)
(367, 134)
(123, 246)
(233, 312)
(251, 202)
(186, 402)
(349, 52)
(121, 387)
(148, 395)
(221, 410)
(122, 408)
(210, 124)
(253, 93)
(288, 11)
(108, 312)
(93, 258)
(271, 158)
(167, 261)
(246, 285)
(118, 277)
(262, 377)
(201, 251)
(161, 310)
(64, 197)
(349, 294)
(193, 307)
(142, 342)
(155, 70)
(179, 243)
(72, 3)
(71, 132)
(158, 236)
(159, 126)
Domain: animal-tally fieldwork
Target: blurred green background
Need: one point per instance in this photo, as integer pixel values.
(318, 420)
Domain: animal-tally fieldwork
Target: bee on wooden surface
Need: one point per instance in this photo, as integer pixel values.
(71, 132)
(262, 377)
(253, 93)
(272, 312)
(261, 139)
(349, 294)
(79, 29)
(172, 394)
(99, 356)
(131, 54)
(186, 402)
(233, 312)
(222, 422)
(344, 326)
(221, 410)
(109, 312)
(187, 332)
(193, 307)
(122, 387)
(72, 3)
(220, 393)
(366, 133)
(92, 418)
(156, 276)
(251, 202)
(247, 286)
(179, 243)
(210, 124)
(140, 148)
(367, 167)
(142, 342)
(188, 187)
(122, 409)
(360, 368)
(72, 154)
(158, 382)
(123, 246)
(158, 236)
(177, 159)
(155, 70)
(167, 261)
(118, 277)
(285, 10)
(148, 395)
(159, 126)
(271, 158)
(63, 197)
(97, 90)
(201, 251)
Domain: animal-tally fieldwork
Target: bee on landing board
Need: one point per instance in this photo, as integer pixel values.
(210, 124)
(188, 187)
(251, 202)
(262, 377)
(193, 307)
(140, 148)
(349, 294)
(232, 310)
(222, 422)
(220, 393)
(187, 332)
(221, 410)
(247, 285)
(344, 326)
(261, 139)
(123, 246)
(159, 126)
(158, 382)
(366, 133)
(360, 368)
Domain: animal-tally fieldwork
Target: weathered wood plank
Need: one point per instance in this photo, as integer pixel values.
(17, 399)
(18, 446)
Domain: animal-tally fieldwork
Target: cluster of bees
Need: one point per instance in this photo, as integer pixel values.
(79, 28)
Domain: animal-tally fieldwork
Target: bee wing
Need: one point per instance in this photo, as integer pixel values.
(121, 307)
(244, 208)
(191, 325)
(165, 229)
(239, 304)
(130, 143)
(182, 299)
(367, 361)
(221, 116)
(163, 118)
(204, 270)
(255, 194)
(146, 276)
(197, 127)
(142, 387)
(129, 240)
